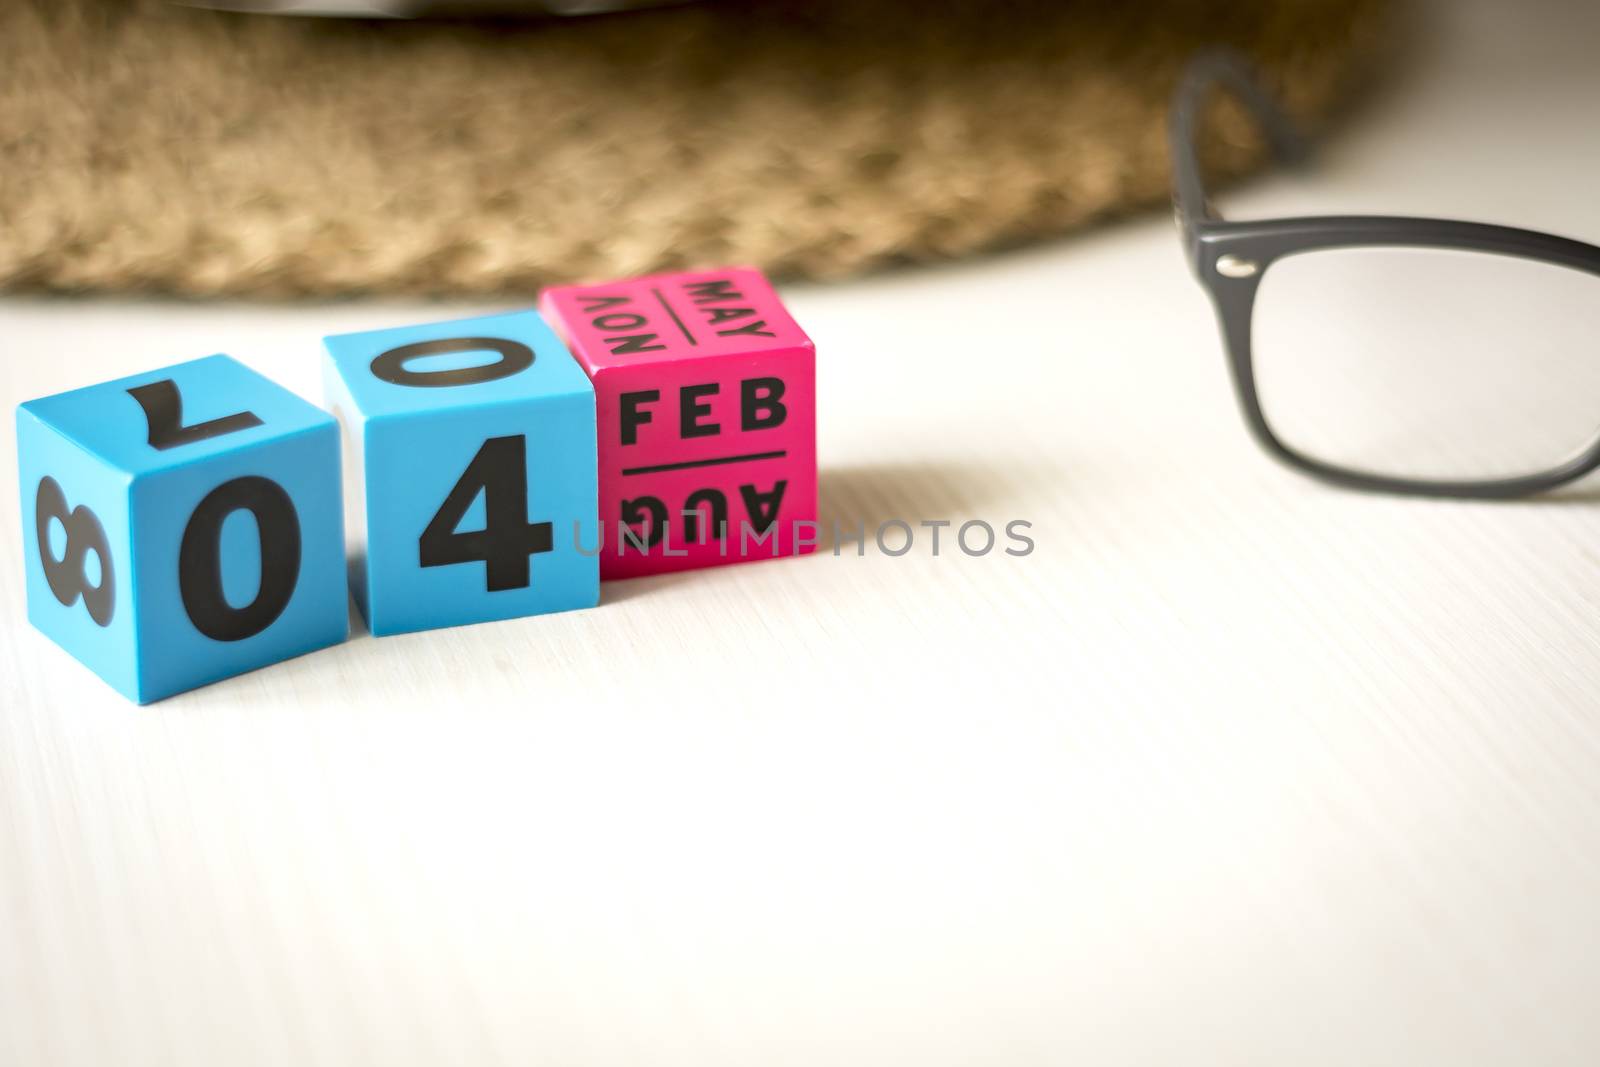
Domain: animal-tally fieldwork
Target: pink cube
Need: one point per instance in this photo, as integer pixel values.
(706, 402)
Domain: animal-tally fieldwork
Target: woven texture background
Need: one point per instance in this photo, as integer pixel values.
(153, 147)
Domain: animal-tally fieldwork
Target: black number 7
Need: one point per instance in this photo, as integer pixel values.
(163, 414)
(500, 472)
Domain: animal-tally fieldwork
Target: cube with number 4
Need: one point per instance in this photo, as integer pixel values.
(470, 460)
(182, 525)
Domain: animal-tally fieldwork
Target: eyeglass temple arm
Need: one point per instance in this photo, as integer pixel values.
(1226, 69)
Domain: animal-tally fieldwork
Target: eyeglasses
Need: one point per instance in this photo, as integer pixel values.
(1404, 355)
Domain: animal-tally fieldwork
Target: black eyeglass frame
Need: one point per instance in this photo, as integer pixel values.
(1229, 259)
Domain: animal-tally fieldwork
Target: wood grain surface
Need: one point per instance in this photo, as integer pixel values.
(1232, 769)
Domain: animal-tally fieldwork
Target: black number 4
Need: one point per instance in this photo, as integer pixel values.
(500, 472)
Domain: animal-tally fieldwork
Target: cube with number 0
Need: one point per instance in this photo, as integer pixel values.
(182, 525)
(470, 461)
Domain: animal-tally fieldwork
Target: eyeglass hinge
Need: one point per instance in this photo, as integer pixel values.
(1231, 266)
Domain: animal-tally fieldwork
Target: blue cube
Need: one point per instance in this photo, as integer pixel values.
(473, 485)
(182, 526)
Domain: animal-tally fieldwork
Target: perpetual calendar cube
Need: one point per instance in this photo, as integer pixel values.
(706, 390)
(471, 461)
(182, 525)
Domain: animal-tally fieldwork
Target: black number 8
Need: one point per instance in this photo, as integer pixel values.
(66, 576)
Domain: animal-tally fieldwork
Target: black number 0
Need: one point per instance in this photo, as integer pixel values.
(391, 366)
(200, 558)
(200, 553)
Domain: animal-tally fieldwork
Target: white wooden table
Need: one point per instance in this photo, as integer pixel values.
(1234, 768)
